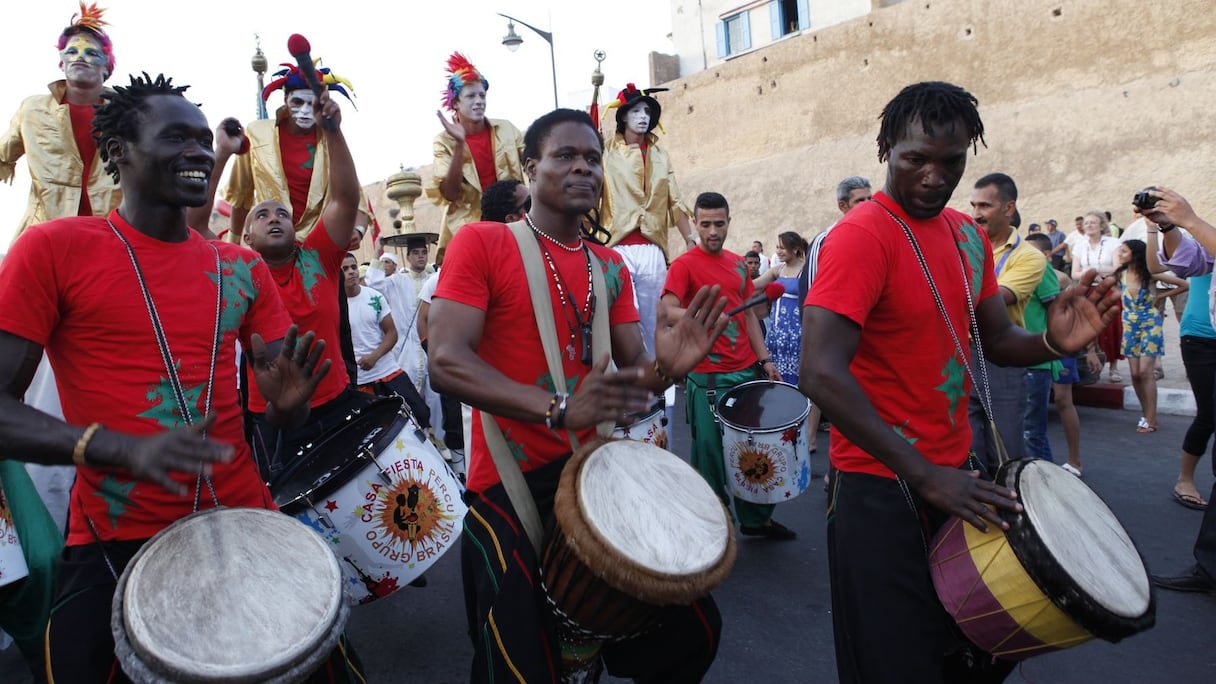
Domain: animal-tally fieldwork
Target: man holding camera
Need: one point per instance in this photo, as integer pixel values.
(1185, 256)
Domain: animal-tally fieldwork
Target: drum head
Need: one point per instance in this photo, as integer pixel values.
(1071, 543)
(760, 405)
(326, 465)
(233, 594)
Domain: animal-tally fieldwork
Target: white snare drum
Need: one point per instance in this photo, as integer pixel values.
(637, 528)
(649, 427)
(12, 561)
(381, 495)
(229, 595)
(764, 440)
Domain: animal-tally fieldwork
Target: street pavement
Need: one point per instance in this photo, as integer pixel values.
(776, 606)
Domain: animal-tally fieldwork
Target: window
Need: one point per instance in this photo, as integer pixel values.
(734, 34)
(788, 16)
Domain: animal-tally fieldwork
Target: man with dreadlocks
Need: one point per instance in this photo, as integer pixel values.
(54, 131)
(472, 152)
(884, 353)
(95, 292)
(288, 159)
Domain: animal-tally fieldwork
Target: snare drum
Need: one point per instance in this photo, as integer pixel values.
(12, 560)
(1063, 573)
(379, 492)
(649, 426)
(764, 441)
(228, 595)
(637, 528)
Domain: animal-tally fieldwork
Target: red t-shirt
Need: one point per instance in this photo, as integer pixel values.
(309, 290)
(732, 351)
(906, 360)
(69, 285)
(299, 153)
(82, 130)
(482, 269)
(481, 146)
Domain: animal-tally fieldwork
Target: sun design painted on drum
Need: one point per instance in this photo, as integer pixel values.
(755, 466)
(410, 518)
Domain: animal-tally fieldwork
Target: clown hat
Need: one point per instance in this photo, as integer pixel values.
(289, 78)
(630, 96)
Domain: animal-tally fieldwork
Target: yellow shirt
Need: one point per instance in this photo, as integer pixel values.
(259, 176)
(639, 193)
(41, 130)
(508, 163)
(1019, 268)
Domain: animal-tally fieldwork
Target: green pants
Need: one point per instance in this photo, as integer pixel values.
(25, 604)
(707, 455)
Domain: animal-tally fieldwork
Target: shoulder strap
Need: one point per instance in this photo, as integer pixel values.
(513, 482)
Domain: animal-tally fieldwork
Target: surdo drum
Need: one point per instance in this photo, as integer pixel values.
(649, 426)
(637, 529)
(380, 494)
(1063, 573)
(764, 440)
(229, 595)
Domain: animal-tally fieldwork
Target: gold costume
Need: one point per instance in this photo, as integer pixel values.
(258, 176)
(42, 131)
(639, 194)
(508, 164)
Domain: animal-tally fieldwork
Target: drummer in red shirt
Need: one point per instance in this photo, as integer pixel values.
(880, 358)
(738, 356)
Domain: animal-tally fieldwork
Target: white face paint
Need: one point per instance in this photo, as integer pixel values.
(471, 104)
(300, 103)
(638, 119)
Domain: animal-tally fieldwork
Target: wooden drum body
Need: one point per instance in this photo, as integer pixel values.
(637, 529)
(1064, 572)
(229, 595)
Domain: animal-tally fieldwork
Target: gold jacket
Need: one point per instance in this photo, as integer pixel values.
(508, 163)
(42, 131)
(258, 176)
(637, 194)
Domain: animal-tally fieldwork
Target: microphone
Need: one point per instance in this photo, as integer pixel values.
(301, 50)
(771, 293)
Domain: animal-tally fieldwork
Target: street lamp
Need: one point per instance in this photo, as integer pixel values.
(513, 40)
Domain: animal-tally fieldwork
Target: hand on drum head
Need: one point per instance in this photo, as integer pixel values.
(604, 396)
(288, 371)
(964, 494)
(680, 344)
(182, 450)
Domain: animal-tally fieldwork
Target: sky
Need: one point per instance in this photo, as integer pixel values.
(393, 53)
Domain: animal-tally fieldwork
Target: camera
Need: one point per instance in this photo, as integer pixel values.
(1143, 200)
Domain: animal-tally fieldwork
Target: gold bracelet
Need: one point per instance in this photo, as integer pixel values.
(1050, 347)
(660, 374)
(83, 443)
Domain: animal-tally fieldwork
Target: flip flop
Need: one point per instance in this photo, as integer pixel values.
(1068, 467)
(1192, 502)
(1146, 429)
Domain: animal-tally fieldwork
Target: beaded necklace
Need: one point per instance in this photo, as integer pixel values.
(581, 327)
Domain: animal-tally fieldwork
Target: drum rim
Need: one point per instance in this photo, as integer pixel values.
(1054, 581)
(336, 480)
(129, 654)
(759, 430)
(624, 574)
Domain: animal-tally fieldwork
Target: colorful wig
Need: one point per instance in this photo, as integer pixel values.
(461, 72)
(89, 20)
(288, 78)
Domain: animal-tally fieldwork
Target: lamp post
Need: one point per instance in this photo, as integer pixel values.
(259, 65)
(513, 40)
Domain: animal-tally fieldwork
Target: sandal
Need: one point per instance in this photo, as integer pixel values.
(1114, 376)
(1190, 501)
(1145, 428)
(1068, 467)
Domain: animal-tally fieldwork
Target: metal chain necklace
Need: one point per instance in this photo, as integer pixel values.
(162, 341)
(576, 247)
(581, 328)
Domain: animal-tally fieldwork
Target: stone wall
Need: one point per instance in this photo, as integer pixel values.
(1083, 101)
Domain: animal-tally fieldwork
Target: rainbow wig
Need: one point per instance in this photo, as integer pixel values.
(460, 72)
(89, 20)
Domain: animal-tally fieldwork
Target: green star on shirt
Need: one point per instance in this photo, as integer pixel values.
(954, 386)
(164, 409)
(311, 271)
(117, 496)
(612, 279)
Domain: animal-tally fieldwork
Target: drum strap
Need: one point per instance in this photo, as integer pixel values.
(542, 305)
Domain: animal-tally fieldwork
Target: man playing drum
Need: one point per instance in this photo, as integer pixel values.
(485, 352)
(140, 328)
(879, 356)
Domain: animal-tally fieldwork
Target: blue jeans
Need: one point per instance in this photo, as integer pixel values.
(1034, 421)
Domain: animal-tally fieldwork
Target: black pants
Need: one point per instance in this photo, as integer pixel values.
(888, 622)
(80, 645)
(275, 449)
(1199, 359)
(513, 629)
